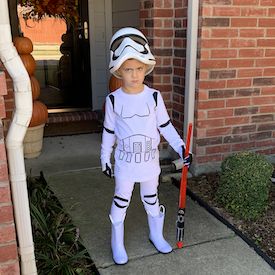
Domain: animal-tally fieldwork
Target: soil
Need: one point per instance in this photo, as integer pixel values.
(261, 231)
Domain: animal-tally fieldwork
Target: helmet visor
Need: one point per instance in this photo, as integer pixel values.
(138, 39)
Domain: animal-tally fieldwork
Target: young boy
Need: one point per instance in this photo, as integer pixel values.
(134, 116)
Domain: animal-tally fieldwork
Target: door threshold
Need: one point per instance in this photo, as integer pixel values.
(66, 110)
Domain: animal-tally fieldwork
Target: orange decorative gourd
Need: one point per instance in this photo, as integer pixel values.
(23, 45)
(114, 83)
(28, 62)
(35, 87)
(39, 114)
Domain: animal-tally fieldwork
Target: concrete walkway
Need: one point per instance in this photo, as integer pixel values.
(71, 167)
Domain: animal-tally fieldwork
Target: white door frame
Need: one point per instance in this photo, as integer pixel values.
(99, 92)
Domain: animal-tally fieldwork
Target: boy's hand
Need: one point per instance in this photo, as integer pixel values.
(107, 170)
(186, 160)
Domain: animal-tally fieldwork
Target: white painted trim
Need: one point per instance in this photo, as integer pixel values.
(191, 63)
(108, 35)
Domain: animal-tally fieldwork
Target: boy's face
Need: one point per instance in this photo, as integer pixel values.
(132, 73)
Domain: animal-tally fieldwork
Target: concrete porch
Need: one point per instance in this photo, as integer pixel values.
(71, 166)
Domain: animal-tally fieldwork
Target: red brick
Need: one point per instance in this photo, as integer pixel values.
(269, 72)
(220, 113)
(210, 123)
(249, 72)
(264, 100)
(8, 252)
(10, 269)
(265, 42)
(268, 2)
(181, 12)
(226, 11)
(212, 158)
(236, 120)
(162, 13)
(243, 22)
(253, 11)
(266, 62)
(228, 53)
(206, 11)
(218, 131)
(215, 43)
(243, 146)
(246, 2)
(3, 86)
(217, 84)
(242, 43)
(218, 149)
(212, 104)
(209, 64)
(163, 33)
(238, 63)
(267, 109)
(266, 22)
(6, 214)
(236, 102)
(244, 129)
(3, 172)
(270, 52)
(235, 83)
(267, 91)
(270, 32)
(5, 195)
(251, 52)
(252, 33)
(7, 233)
(224, 33)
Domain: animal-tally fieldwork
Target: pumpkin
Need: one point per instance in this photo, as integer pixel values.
(39, 114)
(114, 83)
(35, 87)
(23, 45)
(28, 62)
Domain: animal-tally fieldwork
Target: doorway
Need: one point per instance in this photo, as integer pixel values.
(62, 54)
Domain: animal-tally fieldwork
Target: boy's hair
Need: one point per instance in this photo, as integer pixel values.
(130, 43)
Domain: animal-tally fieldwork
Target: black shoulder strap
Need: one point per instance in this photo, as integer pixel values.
(112, 98)
(155, 95)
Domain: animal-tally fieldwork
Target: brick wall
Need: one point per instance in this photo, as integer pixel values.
(8, 247)
(236, 87)
(164, 24)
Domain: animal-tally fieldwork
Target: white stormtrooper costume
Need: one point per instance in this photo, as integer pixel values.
(134, 122)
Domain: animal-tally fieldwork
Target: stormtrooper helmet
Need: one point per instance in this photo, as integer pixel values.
(129, 43)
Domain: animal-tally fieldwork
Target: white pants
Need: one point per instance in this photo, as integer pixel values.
(123, 194)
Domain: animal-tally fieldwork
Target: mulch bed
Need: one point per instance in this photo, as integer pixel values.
(261, 232)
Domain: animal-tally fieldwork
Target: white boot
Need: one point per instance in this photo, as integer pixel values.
(117, 242)
(156, 227)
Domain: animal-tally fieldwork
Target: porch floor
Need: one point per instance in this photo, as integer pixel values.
(71, 166)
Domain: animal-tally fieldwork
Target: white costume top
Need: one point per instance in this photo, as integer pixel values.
(134, 121)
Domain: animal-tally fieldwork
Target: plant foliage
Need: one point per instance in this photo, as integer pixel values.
(245, 184)
(58, 248)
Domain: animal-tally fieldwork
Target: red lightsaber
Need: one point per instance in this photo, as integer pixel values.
(182, 198)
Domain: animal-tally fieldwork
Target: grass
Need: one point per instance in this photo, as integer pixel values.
(58, 247)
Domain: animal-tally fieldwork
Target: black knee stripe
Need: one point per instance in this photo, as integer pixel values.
(118, 199)
(150, 197)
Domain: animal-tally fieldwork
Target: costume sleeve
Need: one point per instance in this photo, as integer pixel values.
(166, 128)
(108, 135)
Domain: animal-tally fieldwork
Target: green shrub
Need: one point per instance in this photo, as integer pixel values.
(245, 184)
(58, 247)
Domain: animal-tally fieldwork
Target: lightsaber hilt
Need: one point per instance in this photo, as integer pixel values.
(180, 227)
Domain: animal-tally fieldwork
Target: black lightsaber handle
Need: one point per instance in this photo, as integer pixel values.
(180, 226)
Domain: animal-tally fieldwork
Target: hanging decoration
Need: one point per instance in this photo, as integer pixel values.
(37, 10)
